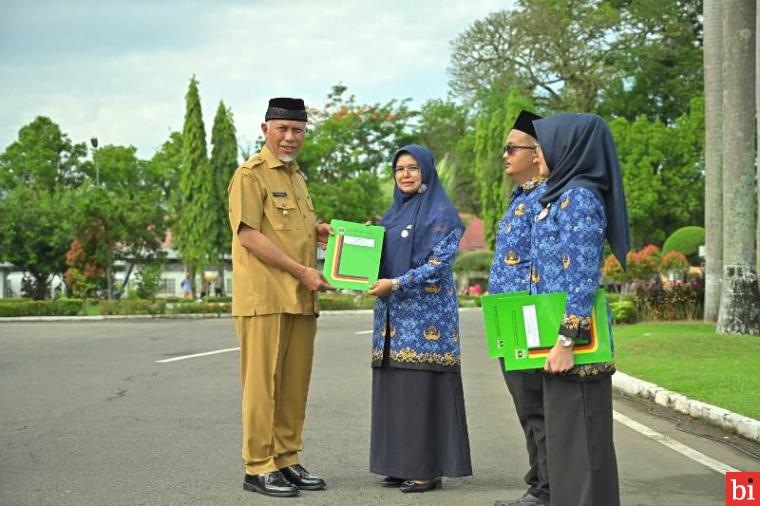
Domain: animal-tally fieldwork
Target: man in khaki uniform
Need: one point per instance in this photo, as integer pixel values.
(274, 240)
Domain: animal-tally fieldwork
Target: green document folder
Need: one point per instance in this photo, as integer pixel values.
(523, 328)
(352, 259)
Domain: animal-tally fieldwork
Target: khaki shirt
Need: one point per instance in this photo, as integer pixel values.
(271, 197)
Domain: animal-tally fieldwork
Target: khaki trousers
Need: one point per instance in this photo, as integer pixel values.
(276, 354)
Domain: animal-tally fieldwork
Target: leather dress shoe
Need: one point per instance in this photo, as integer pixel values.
(410, 486)
(527, 500)
(301, 478)
(272, 484)
(392, 481)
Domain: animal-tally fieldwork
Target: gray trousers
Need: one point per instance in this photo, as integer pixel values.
(527, 389)
(581, 453)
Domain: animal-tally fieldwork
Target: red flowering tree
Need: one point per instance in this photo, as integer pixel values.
(674, 262)
(643, 264)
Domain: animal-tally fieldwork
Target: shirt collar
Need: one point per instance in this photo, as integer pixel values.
(531, 184)
(275, 163)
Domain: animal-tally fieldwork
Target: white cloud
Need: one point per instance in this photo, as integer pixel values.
(120, 69)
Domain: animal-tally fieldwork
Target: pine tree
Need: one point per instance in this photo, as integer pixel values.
(194, 232)
(223, 165)
(491, 129)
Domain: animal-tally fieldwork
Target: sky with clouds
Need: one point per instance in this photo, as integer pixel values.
(120, 69)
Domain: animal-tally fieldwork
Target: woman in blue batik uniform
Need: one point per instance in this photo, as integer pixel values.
(584, 203)
(419, 429)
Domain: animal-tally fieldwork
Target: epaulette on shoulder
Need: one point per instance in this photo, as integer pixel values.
(253, 163)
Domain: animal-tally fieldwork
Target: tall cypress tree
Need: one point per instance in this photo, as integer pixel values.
(193, 232)
(491, 129)
(224, 161)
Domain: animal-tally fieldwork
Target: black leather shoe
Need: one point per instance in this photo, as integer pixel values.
(411, 486)
(527, 500)
(301, 478)
(272, 484)
(392, 481)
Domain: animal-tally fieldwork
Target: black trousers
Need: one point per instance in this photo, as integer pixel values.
(527, 389)
(581, 453)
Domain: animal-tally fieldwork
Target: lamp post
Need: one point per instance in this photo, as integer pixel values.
(94, 143)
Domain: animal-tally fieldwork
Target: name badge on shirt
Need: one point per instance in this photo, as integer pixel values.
(543, 214)
(279, 194)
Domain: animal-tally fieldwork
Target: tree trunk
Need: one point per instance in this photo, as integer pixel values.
(757, 166)
(220, 273)
(740, 299)
(126, 278)
(109, 275)
(713, 58)
(40, 283)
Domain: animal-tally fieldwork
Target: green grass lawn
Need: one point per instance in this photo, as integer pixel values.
(691, 359)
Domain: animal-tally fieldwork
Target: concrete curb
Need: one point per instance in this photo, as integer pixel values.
(743, 425)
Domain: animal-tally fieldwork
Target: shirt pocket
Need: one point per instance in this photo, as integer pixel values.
(284, 215)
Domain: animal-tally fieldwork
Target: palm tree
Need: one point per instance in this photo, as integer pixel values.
(740, 299)
(713, 156)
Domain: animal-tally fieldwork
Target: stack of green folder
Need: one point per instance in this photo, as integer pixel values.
(522, 328)
(352, 258)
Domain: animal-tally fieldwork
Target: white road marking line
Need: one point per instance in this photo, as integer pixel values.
(364, 332)
(185, 357)
(671, 443)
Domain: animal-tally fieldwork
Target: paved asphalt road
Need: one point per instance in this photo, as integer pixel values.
(88, 417)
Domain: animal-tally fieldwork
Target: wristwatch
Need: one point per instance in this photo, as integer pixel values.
(566, 342)
(395, 285)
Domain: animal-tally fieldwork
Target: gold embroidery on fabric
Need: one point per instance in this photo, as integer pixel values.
(512, 258)
(577, 322)
(432, 333)
(411, 356)
(532, 183)
(384, 332)
(432, 288)
(564, 203)
(565, 261)
(434, 261)
(520, 210)
(535, 277)
(586, 370)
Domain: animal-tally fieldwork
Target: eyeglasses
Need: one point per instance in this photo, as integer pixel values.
(409, 169)
(511, 148)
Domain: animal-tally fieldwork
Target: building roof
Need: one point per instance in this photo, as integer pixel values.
(473, 237)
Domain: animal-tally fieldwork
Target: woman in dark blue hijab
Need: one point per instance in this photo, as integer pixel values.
(584, 204)
(419, 429)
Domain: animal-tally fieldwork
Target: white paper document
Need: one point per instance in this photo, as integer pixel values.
(531, 327)
(359, 241)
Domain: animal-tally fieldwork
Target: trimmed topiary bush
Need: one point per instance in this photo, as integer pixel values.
(624, 311)
(474, 261)
(686, 240)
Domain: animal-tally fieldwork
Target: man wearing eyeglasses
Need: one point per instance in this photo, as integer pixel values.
(510, 272)
(274, 280)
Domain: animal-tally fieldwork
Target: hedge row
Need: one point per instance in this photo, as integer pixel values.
(677, 301)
